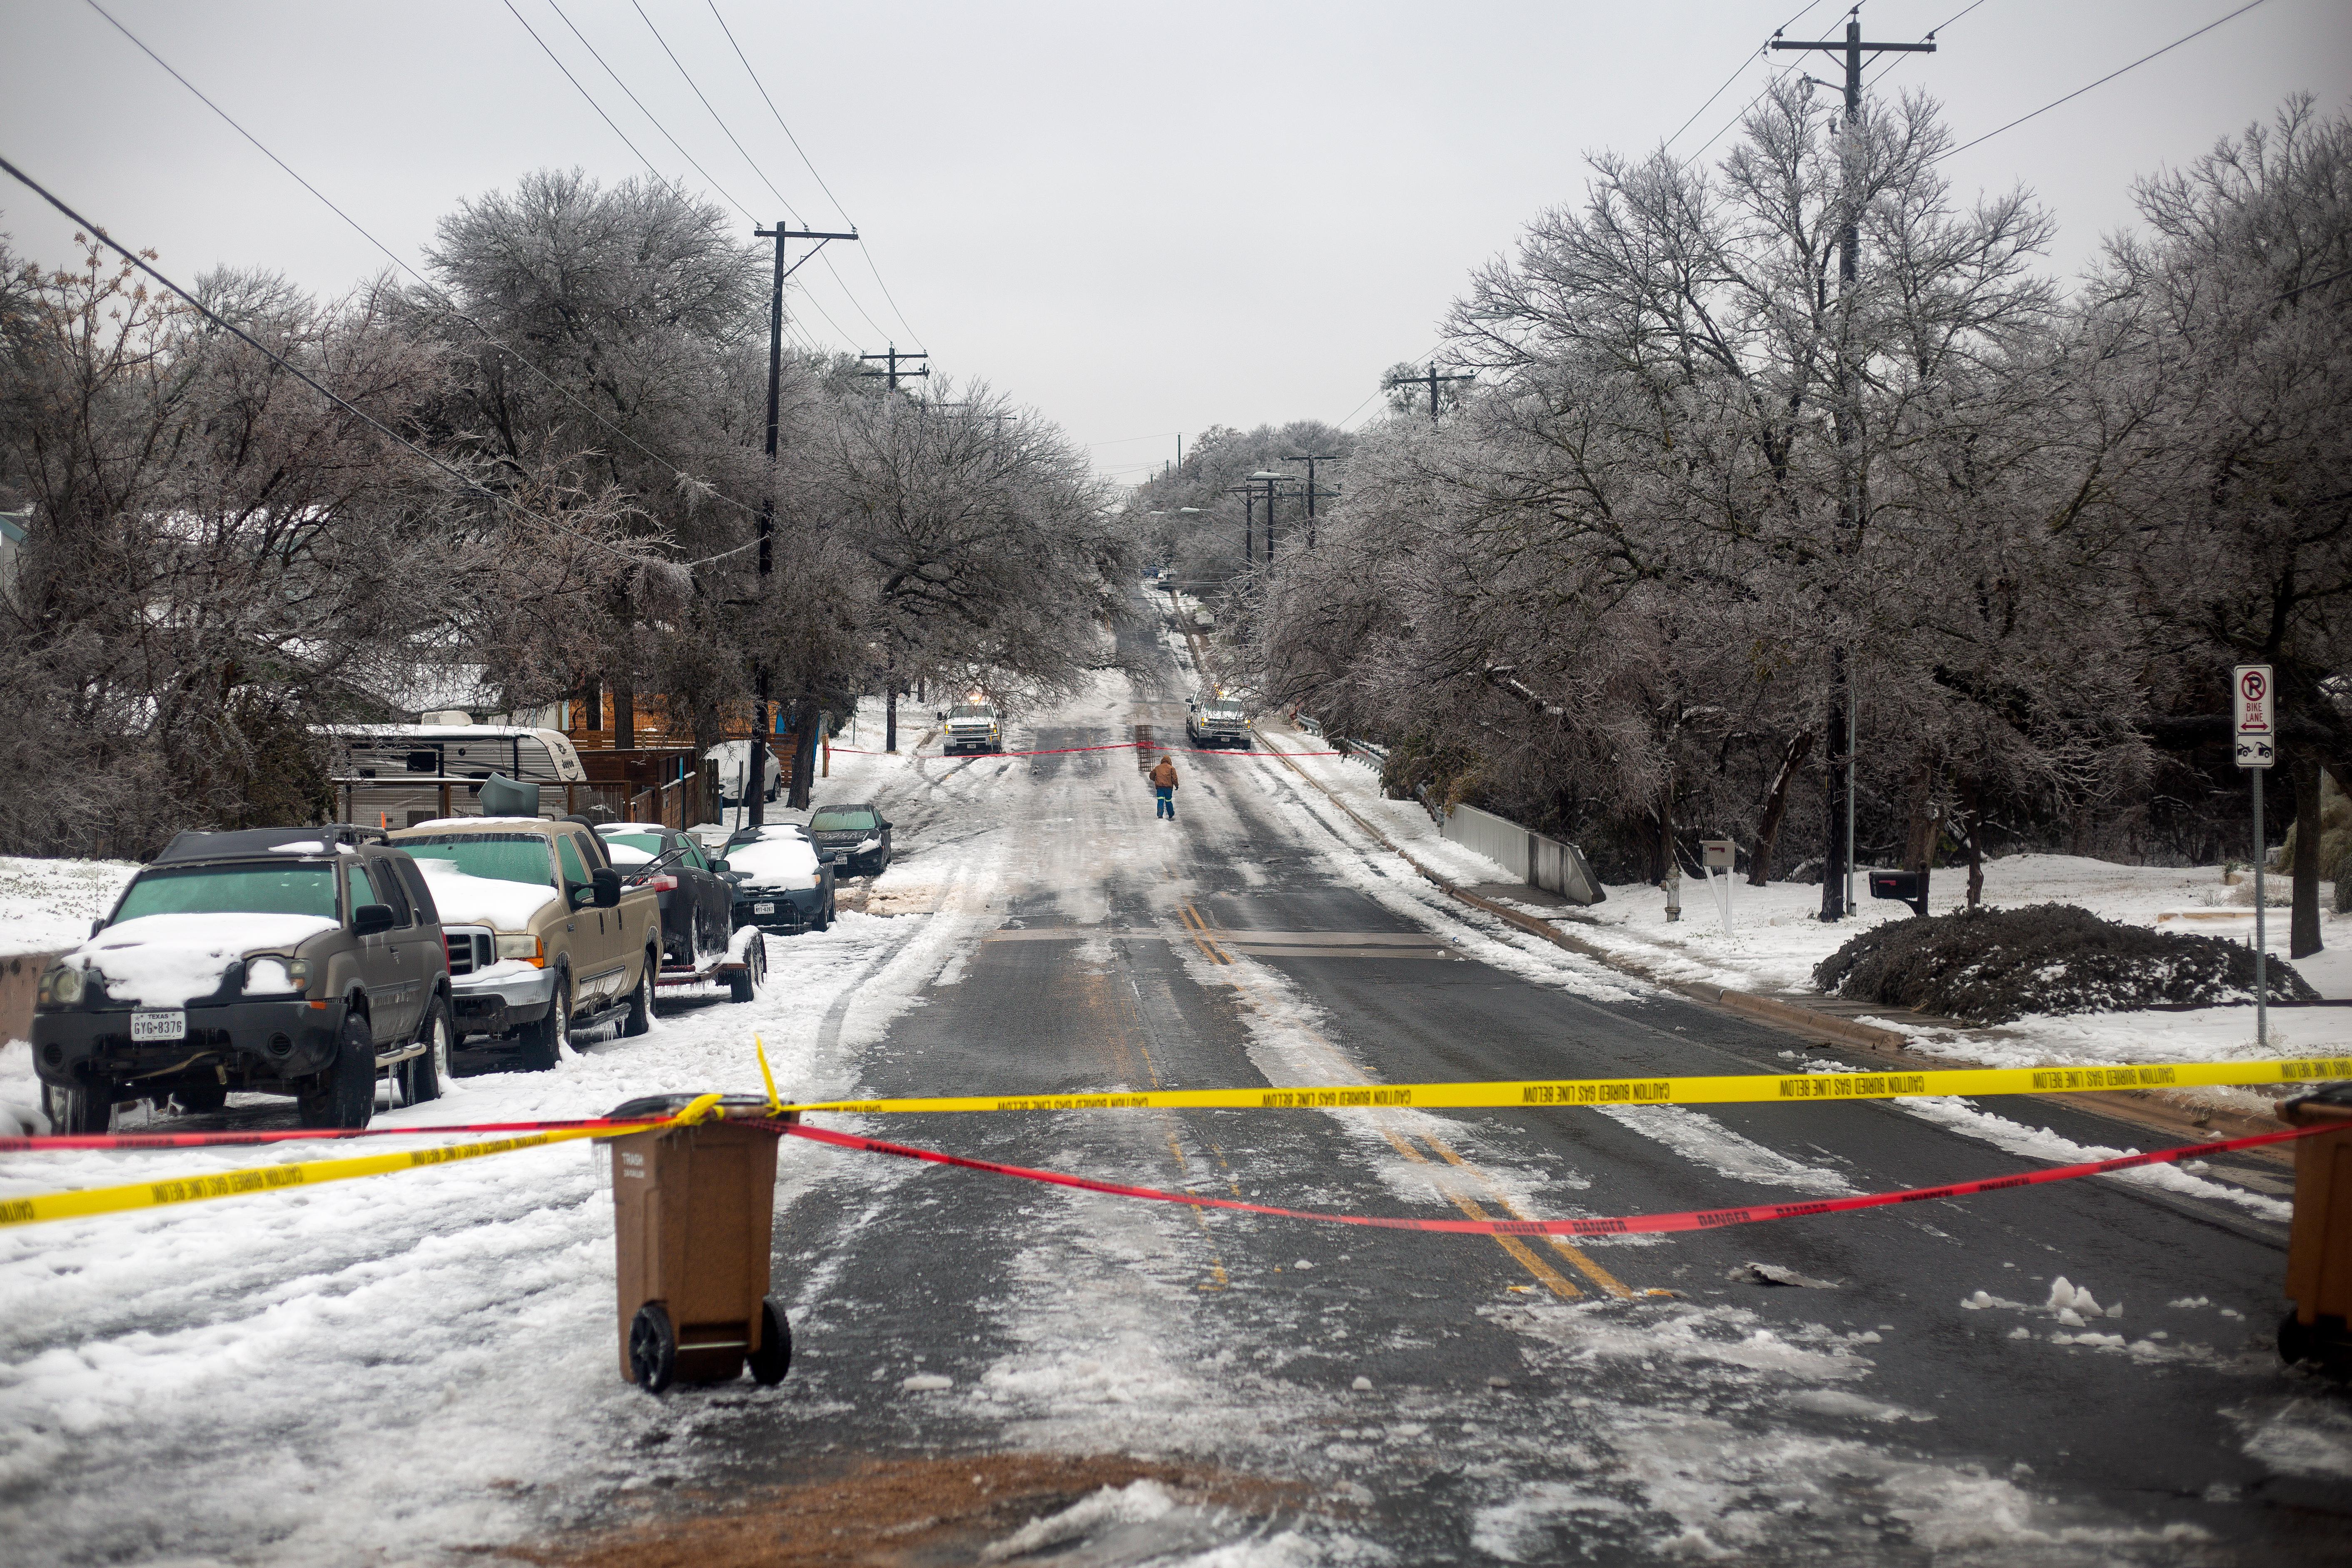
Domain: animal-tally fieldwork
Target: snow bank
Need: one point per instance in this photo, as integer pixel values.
(466, 900)
(165, 960)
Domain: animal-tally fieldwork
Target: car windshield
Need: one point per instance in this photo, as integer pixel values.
(971, 711)
(845, 819)
(498, 857)
(633, 848)
(1224, 709)
(276, 889)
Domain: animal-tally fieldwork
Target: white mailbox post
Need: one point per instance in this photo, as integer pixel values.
(1720, 854)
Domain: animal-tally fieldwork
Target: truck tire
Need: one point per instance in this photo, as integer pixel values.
(653, 1348)
(542, 1040)
(641, 1001)
(744, 983)
(824, 921)
(774, 1356)
(421, 1076)
(344, 1094)
(79, 1113)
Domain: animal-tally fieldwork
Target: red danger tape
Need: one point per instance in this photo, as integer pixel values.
(1620, 1225)
(1112, 746)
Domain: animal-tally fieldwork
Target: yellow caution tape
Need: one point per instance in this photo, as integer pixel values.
(1600, 1091)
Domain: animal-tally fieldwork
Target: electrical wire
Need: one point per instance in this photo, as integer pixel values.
(439, 299)
(716, 119)
(648, 113)
(863, 249)
(298, 373)
(2103, 80)
(1735, 75)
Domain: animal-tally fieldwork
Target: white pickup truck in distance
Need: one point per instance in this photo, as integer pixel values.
(971, 726)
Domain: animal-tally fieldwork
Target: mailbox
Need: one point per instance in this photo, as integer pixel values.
(1716, 854)
(1904, 886)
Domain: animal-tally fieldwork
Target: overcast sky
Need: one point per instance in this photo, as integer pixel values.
(1141, 219)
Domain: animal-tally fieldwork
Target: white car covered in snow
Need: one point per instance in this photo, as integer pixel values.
(782, 881)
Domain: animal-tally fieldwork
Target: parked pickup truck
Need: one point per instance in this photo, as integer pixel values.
(301, 961)
(542, 937)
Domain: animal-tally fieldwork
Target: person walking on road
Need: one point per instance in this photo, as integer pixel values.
(1163, 785)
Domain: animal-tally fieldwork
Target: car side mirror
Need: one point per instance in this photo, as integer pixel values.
(370, 918)
(943, 715)
(718, 867)
(607, 885)
(97, 925)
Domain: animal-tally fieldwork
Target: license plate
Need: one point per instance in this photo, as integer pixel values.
(170, 1026)
(763, 908)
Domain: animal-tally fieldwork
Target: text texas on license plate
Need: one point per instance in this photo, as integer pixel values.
(170, 1026)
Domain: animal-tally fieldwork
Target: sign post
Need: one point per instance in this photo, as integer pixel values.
(2253, 716)
(1717, 855)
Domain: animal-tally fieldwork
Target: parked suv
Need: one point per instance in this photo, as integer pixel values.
(542, 937)
(301, 961)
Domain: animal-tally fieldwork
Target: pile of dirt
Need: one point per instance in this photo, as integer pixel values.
(902, 1513)
(1989, 967)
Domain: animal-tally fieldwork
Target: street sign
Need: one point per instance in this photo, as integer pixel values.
(2253, 713)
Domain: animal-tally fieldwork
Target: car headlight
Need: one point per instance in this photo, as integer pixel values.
(525, 947)
(270, 975)
(866, 846)
(60, 987)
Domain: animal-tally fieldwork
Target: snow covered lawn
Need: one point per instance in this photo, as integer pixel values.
(1775, 939)
(45, 906)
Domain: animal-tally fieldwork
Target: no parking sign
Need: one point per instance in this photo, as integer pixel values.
(2251, 712)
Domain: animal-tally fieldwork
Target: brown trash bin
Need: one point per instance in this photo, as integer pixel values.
(693, 1210)
(2319, 1244)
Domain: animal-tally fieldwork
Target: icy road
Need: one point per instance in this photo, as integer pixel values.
(417, 1367)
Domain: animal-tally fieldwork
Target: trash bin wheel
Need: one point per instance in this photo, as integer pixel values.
(653, 1347)
(774, 1356)
(745, 982)
(2297, 1341)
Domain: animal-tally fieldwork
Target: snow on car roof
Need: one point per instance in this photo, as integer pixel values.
(443, 824)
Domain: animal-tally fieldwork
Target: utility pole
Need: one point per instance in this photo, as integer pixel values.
(1837, 867)
(894, 373)
(1310, 459)
(755, 781)
(1429, 378)
(1249, 521)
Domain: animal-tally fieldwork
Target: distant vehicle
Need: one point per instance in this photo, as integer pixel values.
(782, 882)
(301, 961)
(971, 726)
(734, 760)
(858, 836)
(405, 773)
(1218, 720)
(697, 904)
(542, 937)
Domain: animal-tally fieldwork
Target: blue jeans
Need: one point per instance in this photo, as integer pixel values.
(1167, 794)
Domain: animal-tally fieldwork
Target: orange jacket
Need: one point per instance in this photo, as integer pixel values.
(1164, 776)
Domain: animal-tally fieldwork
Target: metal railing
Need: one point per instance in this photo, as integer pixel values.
(1534, 859)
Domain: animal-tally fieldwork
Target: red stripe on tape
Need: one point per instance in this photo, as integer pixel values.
(1620, 1224)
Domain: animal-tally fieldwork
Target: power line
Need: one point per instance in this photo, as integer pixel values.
(1735, 76)
(650, 166)
(440, 298)
(298, 373)
(865, 250)
(717, 118)
(2104, 79)
(648, 113)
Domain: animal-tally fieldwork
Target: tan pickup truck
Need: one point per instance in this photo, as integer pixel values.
(542, 937)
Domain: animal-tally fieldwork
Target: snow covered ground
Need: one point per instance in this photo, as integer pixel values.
(47, 905)
(1774, 939)
(437, 1348)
